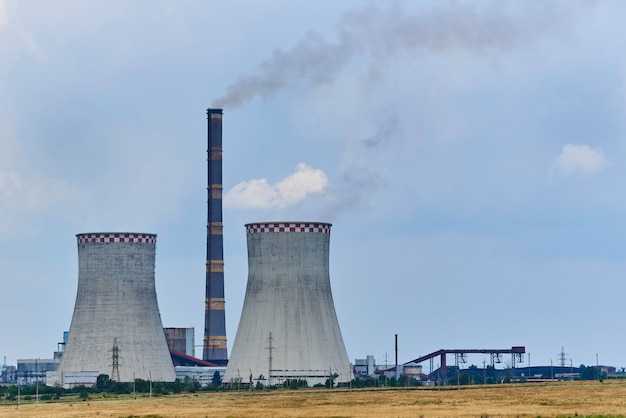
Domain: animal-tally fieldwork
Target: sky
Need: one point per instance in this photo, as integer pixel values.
(469, 154)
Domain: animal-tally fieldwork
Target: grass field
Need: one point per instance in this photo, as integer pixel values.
(559, 399)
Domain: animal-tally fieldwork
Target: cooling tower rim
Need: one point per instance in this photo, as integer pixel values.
(116, 237)
(288, 226)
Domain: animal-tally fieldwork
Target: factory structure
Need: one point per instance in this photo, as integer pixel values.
(288, 328)
(116, 326)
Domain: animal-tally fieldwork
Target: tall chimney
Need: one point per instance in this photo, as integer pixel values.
(214, 345)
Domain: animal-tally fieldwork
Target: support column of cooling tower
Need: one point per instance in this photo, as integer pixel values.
(214, 345)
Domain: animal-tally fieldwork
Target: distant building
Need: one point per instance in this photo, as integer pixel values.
(181, 340)
(364, 367)
(31, 371)
(8, 374)
(72, 379)
(413, 370)
(201, 374)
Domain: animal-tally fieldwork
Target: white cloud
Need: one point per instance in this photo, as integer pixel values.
(258, 193)
(17, 37)
(32, 194)
(579, 159)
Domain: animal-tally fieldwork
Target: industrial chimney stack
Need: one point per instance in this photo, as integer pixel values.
(214, 345)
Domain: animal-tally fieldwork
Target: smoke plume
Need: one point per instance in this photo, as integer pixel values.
(376, 32)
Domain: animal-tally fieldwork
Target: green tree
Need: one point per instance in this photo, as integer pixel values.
(141, 386)
(588, 373)
(217, 379)
(331, 380)
(103, 382)
(178, 386)
(191, 385)
(490, 372)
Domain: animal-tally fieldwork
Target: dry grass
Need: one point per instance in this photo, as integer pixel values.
(563, 399)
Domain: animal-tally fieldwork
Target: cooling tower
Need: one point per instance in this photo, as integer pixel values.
(288, 327)
(116, 327)
(214, 344)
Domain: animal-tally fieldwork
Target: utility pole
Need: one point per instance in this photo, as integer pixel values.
(551, 371)
(350, 377)
(269, 371)
(330, 378)
(386, 369)
(397, 374)
(484, 372)
(562, 357)
(37, 380)
(115, 361)
(430, 375)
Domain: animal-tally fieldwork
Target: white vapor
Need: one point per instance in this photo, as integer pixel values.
(33, 193)
(579, 159)
(4, 18)
(22, 196)
(259, 194)
(377, 33)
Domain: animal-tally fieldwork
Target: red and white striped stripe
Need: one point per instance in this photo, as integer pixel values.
(116, 237)
(323, 228)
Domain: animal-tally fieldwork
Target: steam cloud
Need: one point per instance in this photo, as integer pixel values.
(377, 32)
(259, 194)
(579, 159)
(4, 19)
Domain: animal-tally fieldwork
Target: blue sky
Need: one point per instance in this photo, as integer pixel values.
(470, 155)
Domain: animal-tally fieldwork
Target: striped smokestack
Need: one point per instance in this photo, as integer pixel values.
(214, 345)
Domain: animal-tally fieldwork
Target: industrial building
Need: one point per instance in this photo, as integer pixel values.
(365, 367)
(180, 340)
(204, 375)
(31, 371)
(288, 327)
(116, 326)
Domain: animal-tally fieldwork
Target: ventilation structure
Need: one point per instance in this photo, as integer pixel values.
(288, 327)
(116, 327)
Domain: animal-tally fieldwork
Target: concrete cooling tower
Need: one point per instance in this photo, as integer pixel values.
(288, 327)
(116, 327)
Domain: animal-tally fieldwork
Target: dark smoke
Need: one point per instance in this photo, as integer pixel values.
(386, 132)
(376, 32)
